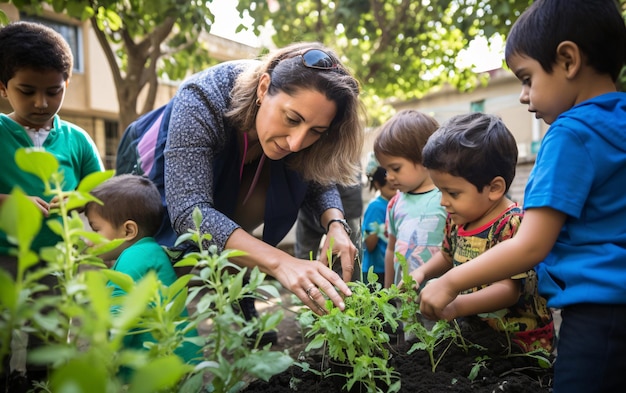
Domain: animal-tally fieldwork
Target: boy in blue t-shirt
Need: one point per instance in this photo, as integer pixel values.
(568, 55)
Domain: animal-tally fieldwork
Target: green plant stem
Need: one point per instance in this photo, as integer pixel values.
(460, 336)
(435, 364)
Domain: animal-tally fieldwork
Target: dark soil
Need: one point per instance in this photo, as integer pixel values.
(501, 374)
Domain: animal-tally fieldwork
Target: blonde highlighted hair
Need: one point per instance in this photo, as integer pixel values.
(334, 158)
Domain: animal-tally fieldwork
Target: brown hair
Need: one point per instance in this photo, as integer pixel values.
(476, 146)
(29, 45)
(129, 197)
(404, 135)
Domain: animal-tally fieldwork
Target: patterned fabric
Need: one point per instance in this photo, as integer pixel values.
(530, 313)
(195, 162)
(417, 222)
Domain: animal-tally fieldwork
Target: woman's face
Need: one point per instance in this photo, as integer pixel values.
(286, 123)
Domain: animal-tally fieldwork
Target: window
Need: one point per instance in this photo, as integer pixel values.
(477, 106)
(71, 33)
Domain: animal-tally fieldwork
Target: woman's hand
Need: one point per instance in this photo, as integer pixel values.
(42, 205)
(313, 283)
(342, 247)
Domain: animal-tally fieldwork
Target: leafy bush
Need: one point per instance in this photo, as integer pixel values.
(82, 326)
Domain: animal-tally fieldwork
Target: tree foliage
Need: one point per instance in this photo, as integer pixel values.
(398, 48)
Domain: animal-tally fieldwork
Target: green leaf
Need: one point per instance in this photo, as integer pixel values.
(178, 303)
(270, 290)
(235, 286)
(99, 294)
(187, 261)
(91, 181)
(179, 285)
(8, 296)
(55, 226)
(195, 383)
(137, 300)
(4, 19)
(264, 365)
(38, 162)
(159, 375)
(52, 353)
(106, 246)
(272, 319)
(120, 279)
(196, 215)
(18, 208)
(79, 375)
(79, 199)
(114, 19)
(93, 237)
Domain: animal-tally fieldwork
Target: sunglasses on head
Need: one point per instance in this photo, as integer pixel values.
(318, 59)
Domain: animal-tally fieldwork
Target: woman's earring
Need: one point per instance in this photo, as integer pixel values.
(258, 102)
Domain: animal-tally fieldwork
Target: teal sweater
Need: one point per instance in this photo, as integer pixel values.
(136, 261)
(73, 148)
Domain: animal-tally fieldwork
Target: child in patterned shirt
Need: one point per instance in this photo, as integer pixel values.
(472, 160)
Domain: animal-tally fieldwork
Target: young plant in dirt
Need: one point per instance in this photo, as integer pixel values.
(356, 338)
(479, 363)
(82, 338)
(427, 340)
(540, 354)
(231, 346)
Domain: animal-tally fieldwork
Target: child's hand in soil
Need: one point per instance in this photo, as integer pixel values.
(436, 300)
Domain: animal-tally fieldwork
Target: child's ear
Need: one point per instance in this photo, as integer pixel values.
(497, 188)
(131, 230)
(3, 90)
(569, 58)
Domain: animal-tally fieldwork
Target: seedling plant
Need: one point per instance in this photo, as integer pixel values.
(355, 336)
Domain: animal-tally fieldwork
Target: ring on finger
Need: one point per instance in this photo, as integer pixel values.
(309, 289)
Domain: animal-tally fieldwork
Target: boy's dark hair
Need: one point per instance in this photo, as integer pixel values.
(404, 135)
(29, 45)
(596, 26)
(477, 147)
(129, 197)
(379, 176)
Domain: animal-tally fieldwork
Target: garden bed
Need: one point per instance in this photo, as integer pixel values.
(499, 374)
